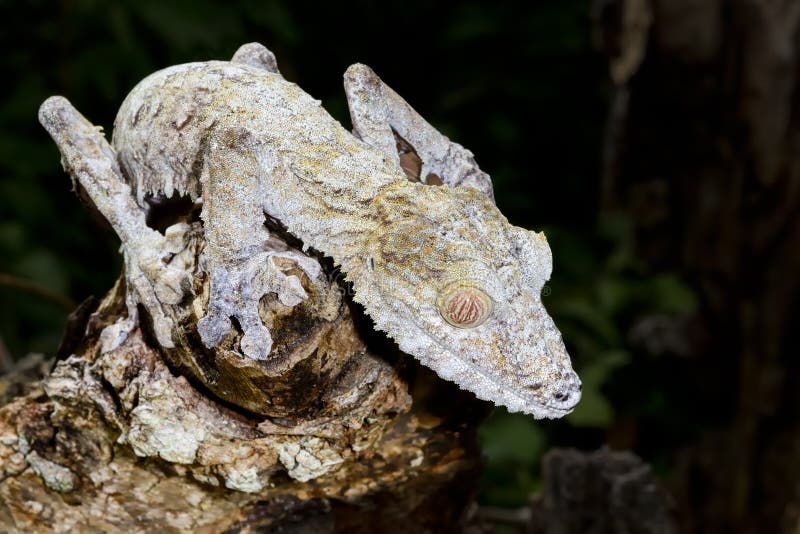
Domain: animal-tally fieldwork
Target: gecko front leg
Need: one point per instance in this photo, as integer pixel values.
(237, 258)
(379, 114)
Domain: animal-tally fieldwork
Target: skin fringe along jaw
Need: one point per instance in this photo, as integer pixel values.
(469, 306)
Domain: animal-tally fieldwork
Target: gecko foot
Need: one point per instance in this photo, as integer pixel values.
(236, 291)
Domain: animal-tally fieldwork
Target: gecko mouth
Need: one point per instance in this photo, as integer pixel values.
(561, 399)
(567, 406)
(558, 401)
(472, 374)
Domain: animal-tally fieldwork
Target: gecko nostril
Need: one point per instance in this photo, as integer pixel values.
(561, 396)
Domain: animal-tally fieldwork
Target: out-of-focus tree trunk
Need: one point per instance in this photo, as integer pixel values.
(703, 151)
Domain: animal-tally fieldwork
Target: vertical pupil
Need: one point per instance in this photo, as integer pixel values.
(463, 305)
(464, 308)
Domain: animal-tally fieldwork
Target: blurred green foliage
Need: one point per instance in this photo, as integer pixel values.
(517, 84)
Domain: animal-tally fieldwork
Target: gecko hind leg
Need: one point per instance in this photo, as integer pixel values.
(379, 115)
(92, 163)
(238, 256)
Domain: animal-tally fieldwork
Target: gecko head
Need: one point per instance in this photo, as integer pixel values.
(459, 288)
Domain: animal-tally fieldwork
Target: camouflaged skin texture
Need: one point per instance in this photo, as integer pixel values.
(242, 141)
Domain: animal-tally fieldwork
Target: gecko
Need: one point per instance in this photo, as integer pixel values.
(433, 262)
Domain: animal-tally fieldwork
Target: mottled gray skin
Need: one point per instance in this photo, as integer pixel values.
(243, 141)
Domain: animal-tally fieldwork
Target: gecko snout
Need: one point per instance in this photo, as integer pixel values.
(567, 396)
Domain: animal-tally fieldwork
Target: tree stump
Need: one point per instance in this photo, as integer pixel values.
(136, 438)
(126, 434)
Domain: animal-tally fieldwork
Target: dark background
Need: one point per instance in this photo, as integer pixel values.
(668, 189)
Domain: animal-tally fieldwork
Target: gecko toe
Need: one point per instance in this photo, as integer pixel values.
(256, 342)
(213, 327)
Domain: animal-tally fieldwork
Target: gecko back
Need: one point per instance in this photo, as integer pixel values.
(439, 269)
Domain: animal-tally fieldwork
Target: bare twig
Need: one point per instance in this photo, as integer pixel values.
(29, 286)
(6, 361)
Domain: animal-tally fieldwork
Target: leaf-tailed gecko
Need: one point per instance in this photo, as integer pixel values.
(438, 268)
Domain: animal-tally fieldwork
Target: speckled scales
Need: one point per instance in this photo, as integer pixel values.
(238, 138)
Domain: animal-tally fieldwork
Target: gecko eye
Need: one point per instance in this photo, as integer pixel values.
(464, 305)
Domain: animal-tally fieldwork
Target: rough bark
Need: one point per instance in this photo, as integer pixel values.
(122, 440)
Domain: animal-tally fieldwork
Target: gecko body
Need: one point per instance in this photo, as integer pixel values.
(438, 268)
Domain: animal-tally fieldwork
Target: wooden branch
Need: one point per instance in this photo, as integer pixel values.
(127, 436)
